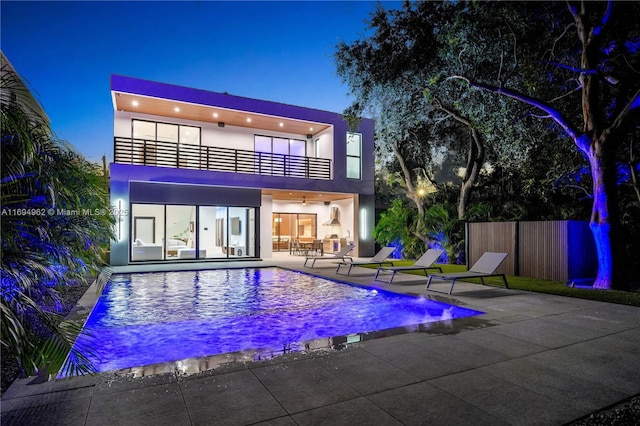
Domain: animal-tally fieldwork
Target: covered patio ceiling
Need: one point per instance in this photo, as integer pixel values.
(309, 197)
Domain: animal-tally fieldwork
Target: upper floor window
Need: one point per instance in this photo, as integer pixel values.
(165, 132)
(277, 145)
(354, 155)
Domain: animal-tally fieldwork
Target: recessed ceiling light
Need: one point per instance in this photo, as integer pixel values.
(281, 124)
(249, 120)
(311, 128)
(215, 115)
(176, 109)
(134, 103)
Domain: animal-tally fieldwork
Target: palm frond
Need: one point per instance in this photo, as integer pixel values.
(39, 253)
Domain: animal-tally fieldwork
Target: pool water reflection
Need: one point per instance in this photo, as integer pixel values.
(144, 319)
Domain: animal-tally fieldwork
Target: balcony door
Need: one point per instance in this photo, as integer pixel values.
(280, 156)
(167, 144)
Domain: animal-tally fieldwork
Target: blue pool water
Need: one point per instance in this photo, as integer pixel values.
(144, 319)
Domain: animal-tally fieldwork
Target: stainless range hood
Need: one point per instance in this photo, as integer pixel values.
(334, 220)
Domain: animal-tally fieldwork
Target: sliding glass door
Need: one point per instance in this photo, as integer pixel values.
(178, 232)
(287, 227)
(227, 232)
(181, 233)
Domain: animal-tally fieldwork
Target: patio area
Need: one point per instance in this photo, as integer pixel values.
(530, 359)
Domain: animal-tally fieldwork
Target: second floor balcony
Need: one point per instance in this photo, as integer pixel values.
(211, 158)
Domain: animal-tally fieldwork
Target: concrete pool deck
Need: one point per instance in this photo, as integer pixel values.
(530, 359)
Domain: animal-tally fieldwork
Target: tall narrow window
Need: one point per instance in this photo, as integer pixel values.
(354, 155)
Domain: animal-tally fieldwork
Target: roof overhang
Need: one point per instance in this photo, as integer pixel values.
(178, 102)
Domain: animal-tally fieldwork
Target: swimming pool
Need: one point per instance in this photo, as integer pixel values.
(145, 319)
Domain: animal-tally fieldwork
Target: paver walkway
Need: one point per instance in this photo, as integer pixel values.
(530, 359)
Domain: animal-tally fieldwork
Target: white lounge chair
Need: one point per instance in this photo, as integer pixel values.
(342, 255)
(424, 263)
(485, 267)
(379, 259)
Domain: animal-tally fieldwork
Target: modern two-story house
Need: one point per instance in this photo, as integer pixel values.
(203, 176)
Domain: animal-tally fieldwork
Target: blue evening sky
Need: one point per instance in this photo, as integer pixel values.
(274, 50)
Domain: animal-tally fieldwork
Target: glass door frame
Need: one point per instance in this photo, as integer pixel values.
(278, 243)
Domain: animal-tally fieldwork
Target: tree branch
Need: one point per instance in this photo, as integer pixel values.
(515, 51)
(553, 47)
(588, 195)
(629, 65)
(501, 60)
(634, 104)
(452, 113)
(570, 68)
(576, 16)
(405, 170)
(597, 29)
(460, 57)
(578, 87)
(540, 116)
(633, 162)
(553, 113)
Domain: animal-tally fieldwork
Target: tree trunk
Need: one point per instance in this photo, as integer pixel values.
(604, 213)
(474, 159)
(594, 140)
(601, 221)
(411, 193)
(633, 163)
(474, 164)
(598, 152)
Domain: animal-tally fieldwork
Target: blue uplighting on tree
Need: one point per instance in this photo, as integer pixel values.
(633, 45)
(439, 241)
(397, 252)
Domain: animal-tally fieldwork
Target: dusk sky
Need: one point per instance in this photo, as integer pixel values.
(279, 51)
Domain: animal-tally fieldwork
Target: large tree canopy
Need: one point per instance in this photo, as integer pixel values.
(591, 64)
(506, 71)
(393, 75)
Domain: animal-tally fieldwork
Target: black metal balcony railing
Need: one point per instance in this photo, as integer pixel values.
(170, 154)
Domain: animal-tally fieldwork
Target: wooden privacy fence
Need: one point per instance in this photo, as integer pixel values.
(560, 250)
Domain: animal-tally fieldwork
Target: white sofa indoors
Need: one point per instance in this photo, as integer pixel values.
(175, 245)
(145, 251)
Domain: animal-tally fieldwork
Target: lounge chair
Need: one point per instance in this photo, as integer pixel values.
(485, 267)
(379, 259)
(424, 263)
(341, 255)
